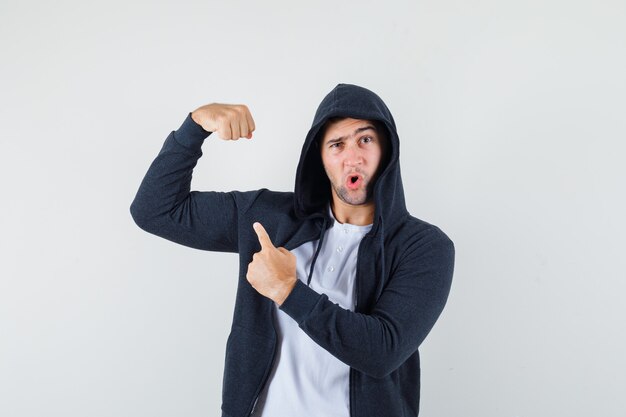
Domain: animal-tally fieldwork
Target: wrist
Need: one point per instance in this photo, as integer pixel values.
(194, 117)
(287, 289)
(190, 134)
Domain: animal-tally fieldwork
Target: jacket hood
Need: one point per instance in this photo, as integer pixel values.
(312, 188)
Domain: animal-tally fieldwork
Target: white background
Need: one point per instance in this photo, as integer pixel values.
(511, 116)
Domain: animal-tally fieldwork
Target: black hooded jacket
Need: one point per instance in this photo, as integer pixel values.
(403, 277)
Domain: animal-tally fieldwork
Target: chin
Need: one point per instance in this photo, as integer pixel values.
(354, 199)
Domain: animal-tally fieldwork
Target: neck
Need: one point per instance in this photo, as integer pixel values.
(359, 215)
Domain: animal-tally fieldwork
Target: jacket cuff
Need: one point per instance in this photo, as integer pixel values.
(190, 134)
(300, 302)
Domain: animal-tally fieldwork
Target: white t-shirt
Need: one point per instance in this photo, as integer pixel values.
(306, 380)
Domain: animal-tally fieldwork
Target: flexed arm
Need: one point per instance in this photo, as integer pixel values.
(164, 204)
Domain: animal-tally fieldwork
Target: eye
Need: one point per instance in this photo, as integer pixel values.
(367, 139)
(332, 145)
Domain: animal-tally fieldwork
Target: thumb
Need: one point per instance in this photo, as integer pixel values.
(264, 239)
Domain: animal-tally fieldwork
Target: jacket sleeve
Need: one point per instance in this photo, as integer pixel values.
(165, 206)
(379, 342)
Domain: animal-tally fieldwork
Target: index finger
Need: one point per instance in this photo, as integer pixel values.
(264, 238)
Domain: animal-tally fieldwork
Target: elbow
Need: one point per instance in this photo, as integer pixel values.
(382, 363)
(377, 373)
(380, 369)
(384, 359)
(139, 216)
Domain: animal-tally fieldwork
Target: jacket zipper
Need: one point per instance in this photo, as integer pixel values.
(356, 303)
(269, 369)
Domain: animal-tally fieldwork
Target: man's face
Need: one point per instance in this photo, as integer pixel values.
(352, 151)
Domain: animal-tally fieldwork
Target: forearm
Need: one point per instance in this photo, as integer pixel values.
(167, 182)
(380, 341)
(165, 206)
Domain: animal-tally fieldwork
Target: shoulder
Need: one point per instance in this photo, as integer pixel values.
(412, 231)
(263, 199)
(416, 240)
(424, 231)
(274, 209)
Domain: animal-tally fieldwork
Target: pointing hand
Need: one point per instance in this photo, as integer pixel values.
(272, 271)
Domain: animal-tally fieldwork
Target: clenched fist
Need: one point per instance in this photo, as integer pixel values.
(230, 121)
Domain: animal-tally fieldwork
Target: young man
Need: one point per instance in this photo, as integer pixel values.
(338, 283)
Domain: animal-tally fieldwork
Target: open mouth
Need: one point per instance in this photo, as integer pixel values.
(354, 181)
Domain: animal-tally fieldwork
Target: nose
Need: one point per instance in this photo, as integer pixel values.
(353, 155)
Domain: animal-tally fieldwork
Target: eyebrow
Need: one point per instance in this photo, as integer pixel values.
(357, 131)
